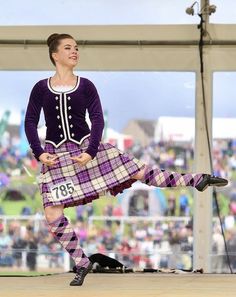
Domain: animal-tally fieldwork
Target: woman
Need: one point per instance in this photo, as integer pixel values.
(76, 167)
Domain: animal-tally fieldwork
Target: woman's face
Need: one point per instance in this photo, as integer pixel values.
(67, 53)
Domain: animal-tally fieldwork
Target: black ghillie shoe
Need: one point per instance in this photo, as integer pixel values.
(80, 275)
(211, 180)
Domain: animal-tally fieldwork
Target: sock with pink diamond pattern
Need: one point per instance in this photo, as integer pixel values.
(163, 178)
(64, 233)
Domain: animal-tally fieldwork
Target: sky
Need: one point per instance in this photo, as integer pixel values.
(124, 95)
(128, 95)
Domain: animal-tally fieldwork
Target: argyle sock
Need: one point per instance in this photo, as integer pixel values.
(67, 237)
(163, 178)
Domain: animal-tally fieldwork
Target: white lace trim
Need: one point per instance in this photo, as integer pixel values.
(61, 88)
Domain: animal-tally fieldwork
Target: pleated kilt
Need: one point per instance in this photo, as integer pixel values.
(69, 184)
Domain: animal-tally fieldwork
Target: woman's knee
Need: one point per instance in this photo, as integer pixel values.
(139, 175)
(53, 212)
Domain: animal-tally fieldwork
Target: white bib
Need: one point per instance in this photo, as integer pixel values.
(62, 191)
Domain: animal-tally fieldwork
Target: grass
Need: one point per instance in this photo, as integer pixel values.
(15, 207)
(23, 273)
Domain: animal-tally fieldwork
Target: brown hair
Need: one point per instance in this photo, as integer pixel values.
(53, 42)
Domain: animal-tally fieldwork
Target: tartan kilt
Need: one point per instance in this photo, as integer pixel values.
(110, 171)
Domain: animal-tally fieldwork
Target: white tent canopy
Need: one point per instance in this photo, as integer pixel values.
(182, 129)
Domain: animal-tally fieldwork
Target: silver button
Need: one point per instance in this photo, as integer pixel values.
(61, 136)
(59, 126)
(68, 98)
(71, 126)
(72, 134)
(70, 117)
(69, 107)
(57, 107)
(58, 117)
(56, 97)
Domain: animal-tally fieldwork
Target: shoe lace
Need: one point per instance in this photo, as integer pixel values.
(79, 273)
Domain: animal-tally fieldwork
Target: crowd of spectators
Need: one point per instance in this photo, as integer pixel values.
(180, 156)
(141, 244)
(138, 244)
(164, 155)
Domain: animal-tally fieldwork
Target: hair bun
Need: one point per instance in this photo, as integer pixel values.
(51, 38)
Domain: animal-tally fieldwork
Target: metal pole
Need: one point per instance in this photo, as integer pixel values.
(202, 227)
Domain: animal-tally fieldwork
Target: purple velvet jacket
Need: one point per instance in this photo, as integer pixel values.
(64, 115)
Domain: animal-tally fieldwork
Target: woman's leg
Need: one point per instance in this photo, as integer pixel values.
(162, 178)
(63, 232)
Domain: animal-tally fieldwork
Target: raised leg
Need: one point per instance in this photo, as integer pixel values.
(162, 178)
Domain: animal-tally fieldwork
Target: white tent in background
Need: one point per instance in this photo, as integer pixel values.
(140, 192)
(224, 128)
(182, 129)
(118, 139)
(177, 129)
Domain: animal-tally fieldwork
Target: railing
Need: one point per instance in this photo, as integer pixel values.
(169, 256)
(60, 261)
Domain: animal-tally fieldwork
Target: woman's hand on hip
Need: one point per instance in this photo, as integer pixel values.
(82, 159)
(48, 159)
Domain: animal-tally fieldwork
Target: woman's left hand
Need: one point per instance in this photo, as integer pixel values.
(82, 159)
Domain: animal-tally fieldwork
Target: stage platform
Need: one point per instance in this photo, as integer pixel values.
(121, 285)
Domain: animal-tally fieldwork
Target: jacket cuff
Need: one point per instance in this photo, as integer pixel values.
(37, 153)
(91, 152)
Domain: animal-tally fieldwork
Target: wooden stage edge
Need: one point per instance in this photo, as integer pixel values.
(121, 285)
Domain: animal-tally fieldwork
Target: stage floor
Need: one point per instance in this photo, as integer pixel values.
(121, 285)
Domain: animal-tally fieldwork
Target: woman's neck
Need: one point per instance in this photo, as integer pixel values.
(64, 77)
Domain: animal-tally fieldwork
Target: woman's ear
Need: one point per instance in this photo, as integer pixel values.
(54, 56)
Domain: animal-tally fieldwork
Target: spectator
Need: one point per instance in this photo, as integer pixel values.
(5, 249)
(218, 250)
(32, 246)
(231, 243)
(171, 205)
(18, 246)
(183, 204)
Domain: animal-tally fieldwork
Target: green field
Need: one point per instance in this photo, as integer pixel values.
(23, 273)
(26, 185)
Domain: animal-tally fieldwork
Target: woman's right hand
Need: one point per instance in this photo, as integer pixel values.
(48, 159)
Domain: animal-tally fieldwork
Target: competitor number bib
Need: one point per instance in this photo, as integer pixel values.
(62, 190)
